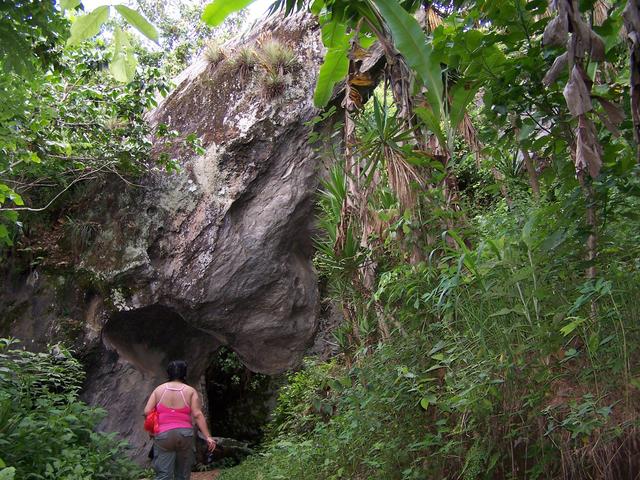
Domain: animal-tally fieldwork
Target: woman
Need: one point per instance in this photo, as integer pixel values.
(178, 405)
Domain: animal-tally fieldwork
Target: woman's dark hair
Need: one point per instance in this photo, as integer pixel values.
(177, 370)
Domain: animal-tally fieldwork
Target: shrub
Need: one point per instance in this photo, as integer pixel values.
(45, 431)
(497, 369)
(300, 402)
(80, 233)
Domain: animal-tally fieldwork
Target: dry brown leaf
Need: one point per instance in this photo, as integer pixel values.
(559, 64)
(358, 53)
(631, 15)
(576, 93)
(607, 123)
(600, 12)
(612, 117)
(355, 98)
(582, 35)
(468, 132)
(401, 175)
(349, 126)
(557, 31)
(361, 80)
(433, 20)
(587, 148)
(597, 47)
(615, 112)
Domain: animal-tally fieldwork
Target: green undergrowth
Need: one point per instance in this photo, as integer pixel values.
(46, 432)
(503, 362)
(450, 403)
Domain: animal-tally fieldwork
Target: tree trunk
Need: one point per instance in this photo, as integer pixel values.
(531, 172)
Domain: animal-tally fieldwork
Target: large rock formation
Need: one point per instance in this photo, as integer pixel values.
(218, 254)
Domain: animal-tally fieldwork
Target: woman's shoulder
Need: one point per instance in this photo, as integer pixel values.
(189, 389)
(185, 388)
(160, 387)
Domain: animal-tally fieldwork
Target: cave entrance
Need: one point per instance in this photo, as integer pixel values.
(151, 336)
(137, 345)
(239, 400)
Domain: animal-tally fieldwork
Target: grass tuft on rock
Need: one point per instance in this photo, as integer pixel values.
(244, 62)
(214, 53)
(275, 56)
(273, 85)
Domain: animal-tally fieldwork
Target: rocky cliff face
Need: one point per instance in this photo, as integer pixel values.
(218, 254)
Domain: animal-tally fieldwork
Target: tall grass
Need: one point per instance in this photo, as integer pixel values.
(504, 361)
(497, 369)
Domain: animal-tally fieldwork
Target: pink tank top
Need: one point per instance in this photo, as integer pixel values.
(170, 418)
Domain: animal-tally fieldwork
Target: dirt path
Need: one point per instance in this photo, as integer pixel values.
(212, 475)
(205, 475)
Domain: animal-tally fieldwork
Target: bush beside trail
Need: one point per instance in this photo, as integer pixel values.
(46, 432)
(496, 367)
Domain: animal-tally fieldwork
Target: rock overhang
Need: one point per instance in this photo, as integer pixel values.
(217, 254)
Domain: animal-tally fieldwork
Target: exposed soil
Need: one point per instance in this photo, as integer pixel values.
(213, 474)
(205, 475)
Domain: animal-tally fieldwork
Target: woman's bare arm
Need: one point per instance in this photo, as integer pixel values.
(151, 403)
(201, 422)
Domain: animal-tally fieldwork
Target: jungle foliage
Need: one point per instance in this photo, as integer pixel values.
(479, 223)
(74, 103)
(480, 237)
(45, 431)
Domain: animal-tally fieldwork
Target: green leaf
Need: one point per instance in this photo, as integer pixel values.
(434, 367)
(554, 240)
(316, 7)
(88, 25)
(432, 123)
(527, 231)
(4, 235)
(123, 64)
(366, 41)
(136, 20)
(7, 473)
(345, 381)
(437, 347)
(571, 326)
(528, 127)
(216, 12)
(429, 399)
(334, 69)
(69, 4)
(411, 42)
(336, 61)
(15, 198)
(334, 34)
(461, 95)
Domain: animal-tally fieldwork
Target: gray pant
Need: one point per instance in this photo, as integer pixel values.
(173, 454)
